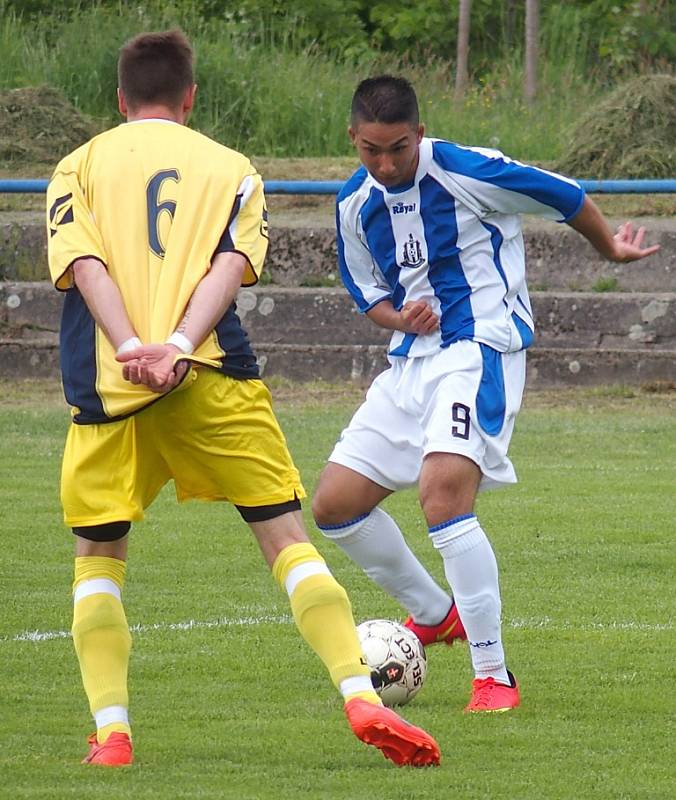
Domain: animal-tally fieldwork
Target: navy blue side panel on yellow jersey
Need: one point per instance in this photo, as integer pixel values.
(239, 360)
(225, 244)
(78, 358)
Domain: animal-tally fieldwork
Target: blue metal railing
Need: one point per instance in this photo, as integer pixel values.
(666, 186)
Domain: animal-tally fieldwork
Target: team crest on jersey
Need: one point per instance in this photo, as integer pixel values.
(61, 212)
(403, 208)
(413, 256)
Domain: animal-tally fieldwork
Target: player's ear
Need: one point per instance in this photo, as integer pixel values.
(122, 103)
(421, 132)
(189, 99)
(352, 133)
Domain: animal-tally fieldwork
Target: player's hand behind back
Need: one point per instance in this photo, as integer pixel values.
(152, 365)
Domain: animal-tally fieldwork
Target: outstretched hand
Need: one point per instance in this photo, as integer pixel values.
(629, 244)
(153, 366)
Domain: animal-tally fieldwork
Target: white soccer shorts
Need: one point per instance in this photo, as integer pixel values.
(463, 399)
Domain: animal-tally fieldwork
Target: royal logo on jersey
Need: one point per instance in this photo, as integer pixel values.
(413, 256)
(61, 212)
(403, 208)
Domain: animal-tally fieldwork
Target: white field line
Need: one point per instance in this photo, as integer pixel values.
(545, 623)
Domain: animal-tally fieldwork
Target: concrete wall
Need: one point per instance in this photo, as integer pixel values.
(596, 322)
(582, 337)
(558, 258)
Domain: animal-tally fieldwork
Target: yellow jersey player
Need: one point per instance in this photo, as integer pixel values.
(152, 230)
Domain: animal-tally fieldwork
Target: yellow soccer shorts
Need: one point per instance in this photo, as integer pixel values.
(216, 437)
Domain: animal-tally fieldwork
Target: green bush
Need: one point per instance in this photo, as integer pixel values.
(276, 77)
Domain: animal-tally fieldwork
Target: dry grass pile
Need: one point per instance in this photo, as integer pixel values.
(629, 134)
(39, 126)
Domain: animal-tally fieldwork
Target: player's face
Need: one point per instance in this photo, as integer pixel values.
(389, 151)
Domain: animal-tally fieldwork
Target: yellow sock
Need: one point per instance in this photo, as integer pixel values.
(323, 615)
(102, 640)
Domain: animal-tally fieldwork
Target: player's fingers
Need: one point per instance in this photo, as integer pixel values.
(412, 311)
(180, 369)
(144, 373)
(640, 234)
(163, 385)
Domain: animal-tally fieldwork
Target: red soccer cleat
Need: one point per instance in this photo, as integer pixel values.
(490, 696)
(448, 630)
(397, 739)
(116, 751)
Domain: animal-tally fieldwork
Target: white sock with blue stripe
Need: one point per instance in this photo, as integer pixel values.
(375, 542)
(472, 571)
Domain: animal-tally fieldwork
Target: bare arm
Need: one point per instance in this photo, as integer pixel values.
(103, 299)
(416, 316)
(623, 246)
(212, 296)
(153, 364)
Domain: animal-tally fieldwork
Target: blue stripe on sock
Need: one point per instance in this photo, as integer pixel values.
(343, 524)
(450, 522)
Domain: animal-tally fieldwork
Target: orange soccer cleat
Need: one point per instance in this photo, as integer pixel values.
(448, 630)
(116, 751)
(397, 739)
(490, 696)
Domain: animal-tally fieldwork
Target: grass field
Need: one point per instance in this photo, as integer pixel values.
(228, 703)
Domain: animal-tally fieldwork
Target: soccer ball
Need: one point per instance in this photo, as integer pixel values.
(397, 660)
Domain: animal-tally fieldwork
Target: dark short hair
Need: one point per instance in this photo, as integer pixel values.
(155, 68)
(385, 98)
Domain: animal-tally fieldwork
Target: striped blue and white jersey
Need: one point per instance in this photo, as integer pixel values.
(453, 238)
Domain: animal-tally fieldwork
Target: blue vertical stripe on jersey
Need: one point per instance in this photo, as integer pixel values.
(445, 272)
(346, 276)
(78, 358)
(525, 308)
(496, 244)
(405, 346)
(525, 331)
(352, 184)
(377, 225)
(349, 188)
(567, 198)
(490, 400)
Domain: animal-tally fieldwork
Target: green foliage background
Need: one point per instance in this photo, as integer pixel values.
(276, 77)
(615, 33)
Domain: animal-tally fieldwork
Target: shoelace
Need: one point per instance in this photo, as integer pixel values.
(483, 692)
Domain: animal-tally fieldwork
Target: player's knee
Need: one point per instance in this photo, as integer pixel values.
(327, 508)
(323, 592)
(448, 486)
(442, 502)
